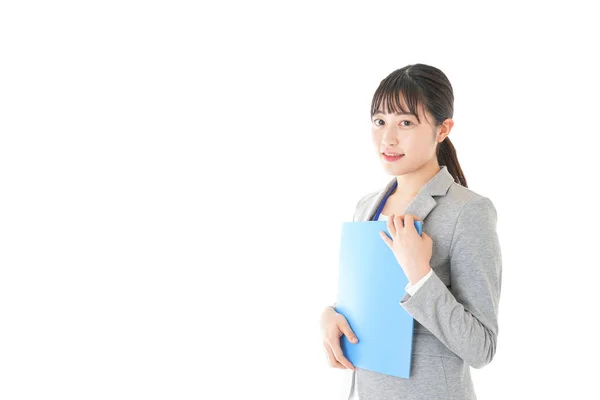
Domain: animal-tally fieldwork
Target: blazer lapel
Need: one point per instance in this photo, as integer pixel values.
(422, 204)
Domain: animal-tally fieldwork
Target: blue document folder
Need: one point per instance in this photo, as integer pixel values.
(370, 286)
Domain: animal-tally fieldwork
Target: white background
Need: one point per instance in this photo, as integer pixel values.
(174, 175)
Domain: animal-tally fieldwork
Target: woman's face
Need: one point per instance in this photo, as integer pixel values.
(404, 134)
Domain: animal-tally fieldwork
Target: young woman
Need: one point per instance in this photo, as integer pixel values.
(454, 268)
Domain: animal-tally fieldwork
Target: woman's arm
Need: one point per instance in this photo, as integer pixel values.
(465, 319)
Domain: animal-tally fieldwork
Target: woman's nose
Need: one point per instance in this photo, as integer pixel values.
(389, 137)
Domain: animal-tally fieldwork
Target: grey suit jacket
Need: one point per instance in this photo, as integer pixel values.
(456, 309)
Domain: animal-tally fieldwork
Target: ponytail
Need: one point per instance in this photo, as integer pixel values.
(446, 155)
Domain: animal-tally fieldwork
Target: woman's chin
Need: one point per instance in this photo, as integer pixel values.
(392, 170)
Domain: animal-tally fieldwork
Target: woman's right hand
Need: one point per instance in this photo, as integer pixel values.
(333, 326)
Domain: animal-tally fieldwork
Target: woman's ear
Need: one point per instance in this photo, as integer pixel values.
(445, 128)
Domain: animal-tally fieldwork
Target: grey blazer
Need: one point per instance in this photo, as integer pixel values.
(456, 309)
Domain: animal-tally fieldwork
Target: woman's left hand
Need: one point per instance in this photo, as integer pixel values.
(413, 251)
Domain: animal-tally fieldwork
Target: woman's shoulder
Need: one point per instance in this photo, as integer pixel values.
(364, 202)
(462, 194)
(469, 201)
(367, 198)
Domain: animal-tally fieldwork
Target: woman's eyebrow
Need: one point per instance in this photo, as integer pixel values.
(396, 113)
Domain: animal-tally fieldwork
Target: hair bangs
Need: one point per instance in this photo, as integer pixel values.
(393, 92)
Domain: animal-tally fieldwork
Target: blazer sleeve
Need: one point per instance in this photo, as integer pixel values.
(464, 316)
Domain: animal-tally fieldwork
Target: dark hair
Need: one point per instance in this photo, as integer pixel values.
(429, 86)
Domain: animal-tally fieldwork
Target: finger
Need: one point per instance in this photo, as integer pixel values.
(426, 237)
(344, 327)
(333, 363)
(409, 221)
(387, 240)
(339, 356)
(390, 226)
(399, 222)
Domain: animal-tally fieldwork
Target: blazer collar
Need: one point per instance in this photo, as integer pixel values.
(422, 204)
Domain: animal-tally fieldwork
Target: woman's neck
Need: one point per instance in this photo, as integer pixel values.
(411, 183)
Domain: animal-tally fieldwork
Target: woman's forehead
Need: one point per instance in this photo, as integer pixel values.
(398, 107)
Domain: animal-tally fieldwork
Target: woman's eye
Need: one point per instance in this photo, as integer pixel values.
(408, 123)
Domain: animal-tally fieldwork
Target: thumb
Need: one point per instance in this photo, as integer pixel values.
(344, 327)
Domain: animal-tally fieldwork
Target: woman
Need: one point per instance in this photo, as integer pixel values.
(454, 268)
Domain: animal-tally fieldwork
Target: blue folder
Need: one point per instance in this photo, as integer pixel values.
(370, 286)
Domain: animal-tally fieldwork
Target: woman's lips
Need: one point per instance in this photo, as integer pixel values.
(392, 158)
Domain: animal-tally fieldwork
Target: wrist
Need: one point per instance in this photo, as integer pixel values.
(416, 278)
